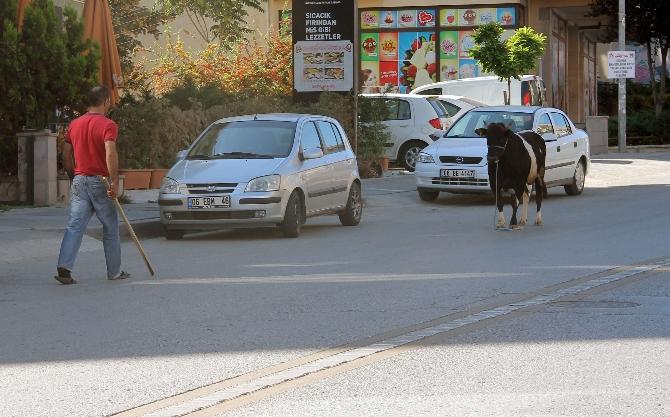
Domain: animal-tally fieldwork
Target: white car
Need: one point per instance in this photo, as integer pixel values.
(455, 107)
(262, 170)
(528, 91)
(413, 122)
(457, 162)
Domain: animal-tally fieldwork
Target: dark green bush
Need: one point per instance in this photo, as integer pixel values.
(153, 130)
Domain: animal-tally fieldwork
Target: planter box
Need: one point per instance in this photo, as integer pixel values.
(136, 179)
(157, 176)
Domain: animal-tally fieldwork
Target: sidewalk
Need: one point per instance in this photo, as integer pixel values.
(142, 213)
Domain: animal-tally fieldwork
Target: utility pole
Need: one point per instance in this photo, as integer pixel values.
(622, 81)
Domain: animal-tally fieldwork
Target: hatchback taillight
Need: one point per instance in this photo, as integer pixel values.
(436, 123)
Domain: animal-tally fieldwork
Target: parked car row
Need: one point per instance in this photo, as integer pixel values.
(279, 169)
(415, 121)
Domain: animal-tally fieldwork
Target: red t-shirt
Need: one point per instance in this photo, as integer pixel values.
(88, 135)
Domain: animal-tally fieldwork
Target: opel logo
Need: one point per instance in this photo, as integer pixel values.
(211, 188)
(459, 159)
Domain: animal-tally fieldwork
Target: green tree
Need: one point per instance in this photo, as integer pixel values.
(647, 23)
(510, 58)
(47, 66)
(222, 20)
(131, 19)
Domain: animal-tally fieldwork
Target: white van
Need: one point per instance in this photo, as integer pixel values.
(529, 91)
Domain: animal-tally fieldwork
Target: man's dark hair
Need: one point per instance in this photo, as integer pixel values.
(98, 95)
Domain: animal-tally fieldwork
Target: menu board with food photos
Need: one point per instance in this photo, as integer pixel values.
(402, 49)
(323, 46)
(323, 66)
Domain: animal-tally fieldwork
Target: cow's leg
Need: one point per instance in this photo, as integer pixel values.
(515, 206)
(539, 193)
(501, 216)
(525, 198)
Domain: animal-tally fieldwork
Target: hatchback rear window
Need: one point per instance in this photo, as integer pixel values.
(438, 106)
(245, 139)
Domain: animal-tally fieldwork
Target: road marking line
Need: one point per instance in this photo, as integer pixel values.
(336, 359)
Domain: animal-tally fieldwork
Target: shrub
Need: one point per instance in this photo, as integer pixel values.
(248, 68)
(152, 131)
(372, 133)
(642, 128)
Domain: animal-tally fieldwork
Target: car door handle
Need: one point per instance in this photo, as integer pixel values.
(575, 144)
(403, 125)
(558, 149)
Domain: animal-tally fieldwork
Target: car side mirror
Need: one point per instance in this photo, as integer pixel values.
(181, 155)
(312, 153)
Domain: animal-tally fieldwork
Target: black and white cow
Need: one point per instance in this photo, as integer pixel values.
(516, 160)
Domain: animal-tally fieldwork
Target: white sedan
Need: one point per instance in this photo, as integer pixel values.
(456, 163)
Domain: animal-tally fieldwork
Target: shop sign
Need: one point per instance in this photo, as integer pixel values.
(323, 45)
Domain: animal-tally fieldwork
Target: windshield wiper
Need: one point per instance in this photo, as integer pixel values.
(225, 155)
(198, 157)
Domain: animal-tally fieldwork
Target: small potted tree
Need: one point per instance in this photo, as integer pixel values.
(510, 58)
(372, 135)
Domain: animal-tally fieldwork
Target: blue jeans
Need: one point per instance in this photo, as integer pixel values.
(88, 195)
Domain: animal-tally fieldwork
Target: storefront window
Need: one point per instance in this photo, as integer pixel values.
(402, 49)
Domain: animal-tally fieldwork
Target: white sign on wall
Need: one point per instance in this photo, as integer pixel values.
(621, 64)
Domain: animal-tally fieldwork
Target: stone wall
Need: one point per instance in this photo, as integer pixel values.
(9, 189)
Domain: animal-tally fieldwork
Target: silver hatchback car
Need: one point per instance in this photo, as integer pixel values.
(262, 170)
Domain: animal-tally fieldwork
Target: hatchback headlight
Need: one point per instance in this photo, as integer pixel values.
(169, 186)
(426, 158)
(268, 183)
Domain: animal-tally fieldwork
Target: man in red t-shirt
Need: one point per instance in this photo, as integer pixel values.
(89, 153)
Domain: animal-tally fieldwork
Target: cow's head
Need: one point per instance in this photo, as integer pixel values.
(497, 135)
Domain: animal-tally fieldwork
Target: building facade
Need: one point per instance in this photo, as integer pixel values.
(404, 44)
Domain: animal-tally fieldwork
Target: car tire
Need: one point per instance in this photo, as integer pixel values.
(353, 212)
(578, 179)
(174, 234)
(293, 218)
(426, 195)
(409, 153)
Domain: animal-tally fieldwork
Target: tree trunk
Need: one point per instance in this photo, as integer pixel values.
(509, 92)
(652, 76)
(664, 75)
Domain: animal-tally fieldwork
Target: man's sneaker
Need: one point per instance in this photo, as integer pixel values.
(64, 277)
(120, 275)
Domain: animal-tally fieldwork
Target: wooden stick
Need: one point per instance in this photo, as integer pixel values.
(131, 231)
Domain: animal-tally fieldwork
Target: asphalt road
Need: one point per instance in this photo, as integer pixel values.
(230, 303)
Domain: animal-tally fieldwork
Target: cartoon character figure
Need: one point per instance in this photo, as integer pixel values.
(470, 16)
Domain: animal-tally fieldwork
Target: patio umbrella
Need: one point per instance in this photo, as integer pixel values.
(21, 7)
(98, 27)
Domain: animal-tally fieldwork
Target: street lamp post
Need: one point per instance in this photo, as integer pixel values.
(622, 81)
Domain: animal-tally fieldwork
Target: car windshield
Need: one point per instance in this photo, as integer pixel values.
(263, 139)
(465, 126)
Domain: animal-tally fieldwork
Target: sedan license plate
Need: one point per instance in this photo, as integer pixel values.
(219, 201)
(458, 173)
